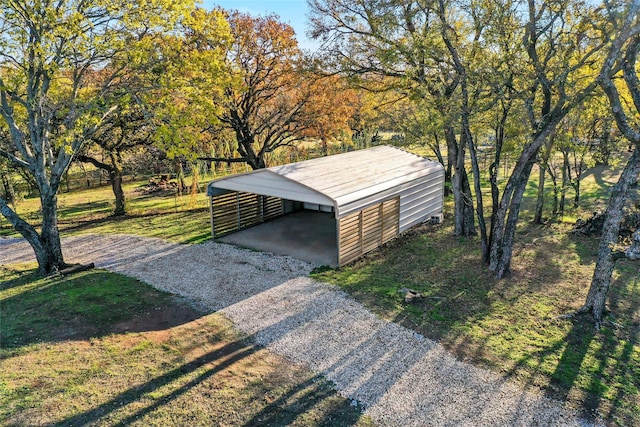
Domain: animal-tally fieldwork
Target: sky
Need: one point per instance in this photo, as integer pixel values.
(293, 12)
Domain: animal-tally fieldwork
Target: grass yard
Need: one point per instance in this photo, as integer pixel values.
(94, 353)
(181, 219)
(103, 349)
(511, 325)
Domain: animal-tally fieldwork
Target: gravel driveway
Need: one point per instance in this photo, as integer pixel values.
(401, 377)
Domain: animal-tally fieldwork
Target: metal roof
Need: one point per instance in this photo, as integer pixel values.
(333, 180)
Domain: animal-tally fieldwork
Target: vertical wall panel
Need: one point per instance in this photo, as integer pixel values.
(363, 231)
(422, 200)
(234, 211)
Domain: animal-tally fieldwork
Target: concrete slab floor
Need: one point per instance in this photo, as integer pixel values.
(306, 235)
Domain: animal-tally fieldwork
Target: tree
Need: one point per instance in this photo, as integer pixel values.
(192, 73)
(48, 49)
(265, 109)
(419, 125)
(122, 132)
(462, 55)
(163, 95)
(329, 109)
(5, 170)
(621, 65)
(562, 41)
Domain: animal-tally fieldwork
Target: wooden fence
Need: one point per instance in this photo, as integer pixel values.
(237, 210)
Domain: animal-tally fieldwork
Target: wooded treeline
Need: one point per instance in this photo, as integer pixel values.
(552, 84)
(528, 75)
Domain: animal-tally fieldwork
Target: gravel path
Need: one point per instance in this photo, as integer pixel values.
(401, 377)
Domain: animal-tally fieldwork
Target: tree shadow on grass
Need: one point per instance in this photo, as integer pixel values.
(95, 304)
(597, 172)
(91, 304)
(608, 387)
(303, 397)
(574, 349)
(98, 207)
(448, 272)
(295, 401)
(619, 354)
(81, 225)
(223, 358)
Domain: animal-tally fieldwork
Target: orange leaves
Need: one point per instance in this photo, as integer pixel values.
(331, 106)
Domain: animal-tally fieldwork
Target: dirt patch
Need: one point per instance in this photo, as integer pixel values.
(158, 319)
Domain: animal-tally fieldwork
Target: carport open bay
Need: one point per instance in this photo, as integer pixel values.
(306, 235)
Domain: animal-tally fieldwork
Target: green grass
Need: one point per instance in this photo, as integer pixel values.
(512, 325)
(107, 350)
(181, 219)
(57, 307)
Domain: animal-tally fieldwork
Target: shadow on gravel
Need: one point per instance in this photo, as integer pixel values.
(509, 325)
(116, 251)
(381, 363)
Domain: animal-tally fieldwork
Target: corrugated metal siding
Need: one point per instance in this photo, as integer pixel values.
(421, 201)
(415, 188)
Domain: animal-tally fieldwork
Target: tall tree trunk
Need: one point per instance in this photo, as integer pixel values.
(177, 165)
(554, 103)
(478, 191)
(464, 220)
(445, 164)
(7, 184)
(66, 181)
(116, 178)
(537, 217)
(543, 165)
(451, 160)
(46, 245)
(575, 182)
(601, 281)
(438, 153)
(494, 170)
(324, 145)
(503, 266)
(195, 180)
(50, 234)
(46, 265)
(566, 175)
(448, 35)
(114, 171)
(257, 162)
(556, 192)
(500, 250)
